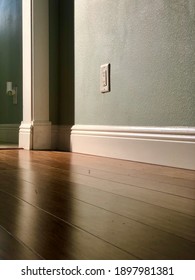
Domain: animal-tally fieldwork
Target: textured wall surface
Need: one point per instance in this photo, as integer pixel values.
(150, 45)
(10, 59)
(61, 68)
(66, 62)
(54, 61)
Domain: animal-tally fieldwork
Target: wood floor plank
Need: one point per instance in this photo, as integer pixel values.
(164, 200)
(182, 191)
(123, 166)
(119, 231)
(50, 237)
(119, 167)
(11, 249)
(161, 218)
(149, 183)
(111, 201)
(146, 183)
(175, 176)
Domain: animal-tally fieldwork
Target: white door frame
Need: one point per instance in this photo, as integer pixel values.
(35, 128)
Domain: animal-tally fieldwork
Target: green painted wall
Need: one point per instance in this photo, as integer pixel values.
(10, 59)
(66, 62)
(61, 61)
(54, 61)
(150, 45)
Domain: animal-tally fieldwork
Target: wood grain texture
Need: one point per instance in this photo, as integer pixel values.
(12, 249)
(69, 206)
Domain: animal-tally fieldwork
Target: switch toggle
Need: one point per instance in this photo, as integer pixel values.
(105, 78)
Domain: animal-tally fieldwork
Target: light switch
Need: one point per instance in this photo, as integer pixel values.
(105, 78)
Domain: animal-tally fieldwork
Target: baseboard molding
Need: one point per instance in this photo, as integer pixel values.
(35, 136)
(25, 136)
(54, 137)
(169, 146)
(60, 138)
(9, 133)
(44, 136)
(41, 138)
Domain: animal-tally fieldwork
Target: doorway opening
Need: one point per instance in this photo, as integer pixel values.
(10, 72)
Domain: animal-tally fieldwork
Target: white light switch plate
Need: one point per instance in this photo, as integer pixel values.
(105, 78)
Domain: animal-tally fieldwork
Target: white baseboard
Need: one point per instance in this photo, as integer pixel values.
(9, 133)
(64, 132)
(44, 136)
(41, 139)
(54, 137)
(170, 146)
(25, 136)
(35, 135)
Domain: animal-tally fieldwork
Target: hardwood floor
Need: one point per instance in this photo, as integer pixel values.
(57, 205)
